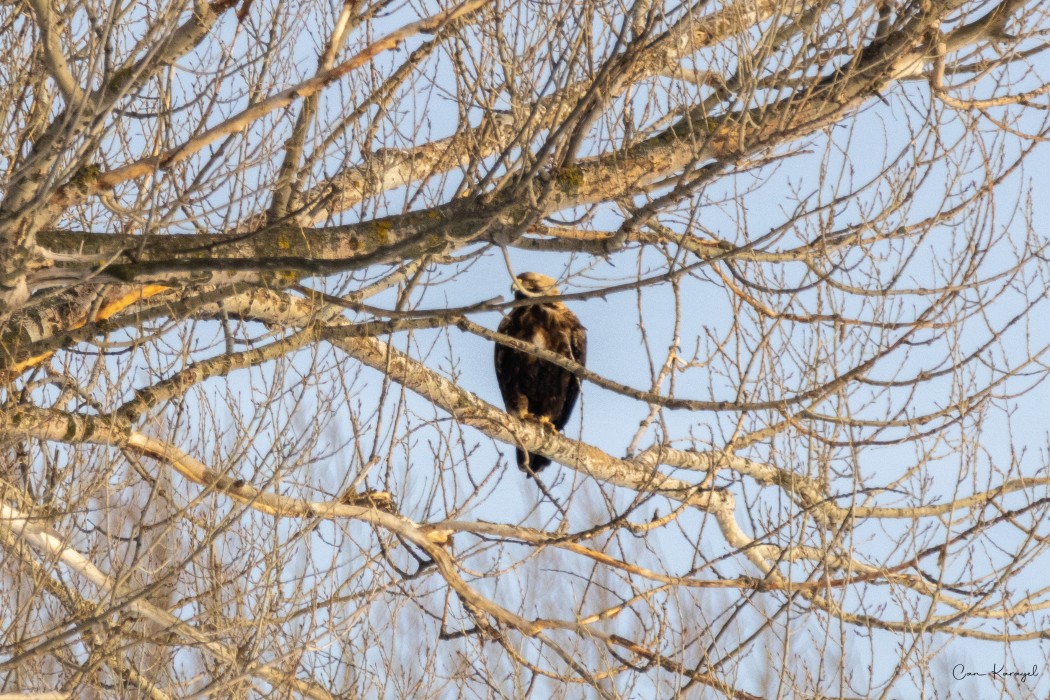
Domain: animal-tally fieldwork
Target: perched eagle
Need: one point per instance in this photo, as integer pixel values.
(534, 389)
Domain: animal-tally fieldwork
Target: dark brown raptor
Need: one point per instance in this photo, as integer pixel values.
(534, 389)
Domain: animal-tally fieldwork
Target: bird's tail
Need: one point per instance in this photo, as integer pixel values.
(535, 463)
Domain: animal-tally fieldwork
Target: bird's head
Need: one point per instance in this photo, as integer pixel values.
(533, 284)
